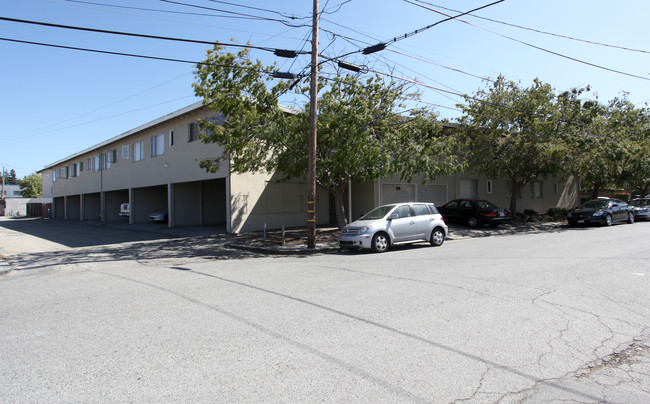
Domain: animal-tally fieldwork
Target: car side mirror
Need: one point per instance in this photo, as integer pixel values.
(393, 216)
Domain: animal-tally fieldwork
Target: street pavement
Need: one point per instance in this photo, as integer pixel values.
(528, 315)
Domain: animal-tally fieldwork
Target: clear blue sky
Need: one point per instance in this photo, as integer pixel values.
(56, 102)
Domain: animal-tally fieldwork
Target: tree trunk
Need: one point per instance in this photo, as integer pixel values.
(595, 191)
(339, 206)
(514, 191)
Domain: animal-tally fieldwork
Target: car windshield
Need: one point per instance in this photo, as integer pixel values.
(486, 205)
(377, 213)
(639, 202)
(595, 205)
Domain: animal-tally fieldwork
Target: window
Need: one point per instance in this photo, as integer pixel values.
(96, 165)
(108, 159)
(403, 211)
(171, 138)
(193, 131)
(73, 170)
(81, 166)
(125, 151)
(536, 190)
(158, 145)
(138, 151)
(489, 186)
(420, 210)
(53, 175)
(90, 164)
(63, 172)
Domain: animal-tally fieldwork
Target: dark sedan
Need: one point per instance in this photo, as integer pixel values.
(601, 211)
(474, 212)
(641, 208)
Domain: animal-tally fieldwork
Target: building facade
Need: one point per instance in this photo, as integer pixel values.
(155, 167)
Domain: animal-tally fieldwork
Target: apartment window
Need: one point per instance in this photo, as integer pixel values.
(63, 172)
(125, 152)
(171, 138)
(96, 166)
(489, 186)
(73, 170)
(53, 175)
(158, 145)
(108, 158)
(90, 164)
(193, 131)
(138, 151)
(81, 166)
(536, 190)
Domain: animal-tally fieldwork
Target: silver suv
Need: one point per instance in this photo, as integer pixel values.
(397, 223)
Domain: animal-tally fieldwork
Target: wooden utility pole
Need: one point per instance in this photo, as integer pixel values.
(313, 119)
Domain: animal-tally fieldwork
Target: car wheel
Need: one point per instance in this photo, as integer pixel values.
(437, 237)
(608, 220)
(630, 217)
(473, 222)
(380, 242)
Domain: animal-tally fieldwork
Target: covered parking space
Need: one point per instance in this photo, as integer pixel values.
(147, 200)
(198, 203)
(91, 206)
(112, 202)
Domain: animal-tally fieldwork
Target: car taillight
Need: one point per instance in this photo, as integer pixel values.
(491, 214)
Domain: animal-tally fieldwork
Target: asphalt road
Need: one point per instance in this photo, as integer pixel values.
(553, 316)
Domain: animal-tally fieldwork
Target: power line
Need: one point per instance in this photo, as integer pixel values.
(417, 31)
(236, 14)
(538, 47)
(103, 31)
(264, 9)
(539, 31)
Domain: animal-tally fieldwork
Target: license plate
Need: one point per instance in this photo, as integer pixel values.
(501, 214)
(581, 221)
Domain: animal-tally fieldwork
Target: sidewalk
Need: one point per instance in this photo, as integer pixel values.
(295, 241)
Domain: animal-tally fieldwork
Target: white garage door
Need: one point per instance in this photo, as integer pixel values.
(433, 193)
(394, 193)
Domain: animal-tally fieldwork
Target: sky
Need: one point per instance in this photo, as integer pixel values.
(55, 102)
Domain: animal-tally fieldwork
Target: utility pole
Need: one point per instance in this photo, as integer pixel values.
(313, 119)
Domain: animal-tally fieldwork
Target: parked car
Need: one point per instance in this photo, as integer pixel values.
(158, 216)
(125, 209)
(475, 212)
(397, 223)
(641, 208)
(601, 211)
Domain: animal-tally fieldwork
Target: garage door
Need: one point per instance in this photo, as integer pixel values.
(394, 193)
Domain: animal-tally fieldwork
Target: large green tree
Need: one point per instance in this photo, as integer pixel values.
(512, 131)
(609, 146)
(9, 177)
(363, 131)
(31, 186)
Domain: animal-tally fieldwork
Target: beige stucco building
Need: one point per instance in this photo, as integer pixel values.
(155, 167)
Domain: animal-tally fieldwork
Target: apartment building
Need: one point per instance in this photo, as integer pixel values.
(155, 167)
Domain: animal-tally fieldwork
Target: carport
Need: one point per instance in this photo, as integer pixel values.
(197, 203)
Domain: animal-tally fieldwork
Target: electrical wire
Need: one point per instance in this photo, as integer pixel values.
(538, 47)
(291, 17)
(418, 31)
(103, 31)
(537, 30)
(236, 14)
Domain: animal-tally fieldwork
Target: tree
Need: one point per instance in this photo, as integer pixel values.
(361, 135)
(609, 145)
(31, 186)
(9, 177)
(512, 132)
